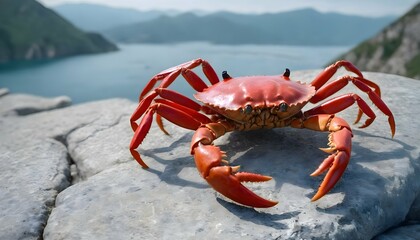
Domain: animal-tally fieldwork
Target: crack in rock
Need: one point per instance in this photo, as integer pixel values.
(92, 142)
(63, 138)
(29, 186)
(36, 163)
(96, 130)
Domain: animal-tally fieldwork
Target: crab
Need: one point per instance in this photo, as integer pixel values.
(252, 103)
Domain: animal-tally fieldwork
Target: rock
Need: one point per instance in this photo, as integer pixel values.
(30, 179)
(414, 213)
(395, 49)
(112, 197)
(35, 162)
(72, 126)
(24, 104)
(3, 91)
(410, 232)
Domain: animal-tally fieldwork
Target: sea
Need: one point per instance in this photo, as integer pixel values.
(124, 73)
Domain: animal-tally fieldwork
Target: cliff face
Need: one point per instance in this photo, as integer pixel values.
(29, 31)
(394, 50)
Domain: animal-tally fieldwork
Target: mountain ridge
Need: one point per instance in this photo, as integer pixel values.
(299, 27)
(95, 17)
(297, 23)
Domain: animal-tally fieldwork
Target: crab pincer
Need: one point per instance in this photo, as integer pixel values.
(226, 179)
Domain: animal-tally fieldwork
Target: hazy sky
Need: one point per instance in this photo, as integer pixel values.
(359, 7)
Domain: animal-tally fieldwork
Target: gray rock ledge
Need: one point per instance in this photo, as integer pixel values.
(67, 174)
(24, 104)
(3, 91)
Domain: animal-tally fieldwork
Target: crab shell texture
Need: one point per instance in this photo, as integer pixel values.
(234, 97)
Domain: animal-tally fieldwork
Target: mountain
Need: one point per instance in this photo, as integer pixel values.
(29, 31)
(300, 27)
(185, 27)
(395, 50)
(93, 17)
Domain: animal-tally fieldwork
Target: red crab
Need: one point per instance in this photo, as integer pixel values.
(250, 103)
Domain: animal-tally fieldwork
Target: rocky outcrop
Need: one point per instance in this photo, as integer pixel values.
(395, 50)
(4, 91)
(29, 31)
(67, 174)
(24, 104)
(409, 232)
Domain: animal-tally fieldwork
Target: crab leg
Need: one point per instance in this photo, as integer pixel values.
(223, 178)
(326, 75)
(181, 101)
(333, 87)
(165, 94)
(340, 103)
(340, 148)
(174, 112)
(169, 75)
(141, 109)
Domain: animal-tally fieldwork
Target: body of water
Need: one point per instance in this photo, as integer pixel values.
(125, 73)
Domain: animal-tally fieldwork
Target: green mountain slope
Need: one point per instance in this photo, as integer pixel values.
(395, 50)
(29, 31)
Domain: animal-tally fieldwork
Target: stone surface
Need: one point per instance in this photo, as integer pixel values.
(114, 198)
(410, 232)
(3, 91)
(30, 179)
(414, 213)
(35, 162)
(23, 104)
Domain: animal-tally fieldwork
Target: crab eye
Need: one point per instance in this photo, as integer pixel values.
(248, 109)
(283, 107)
(286, 73)
(225, 75)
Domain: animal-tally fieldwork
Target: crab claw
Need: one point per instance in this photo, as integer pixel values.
(226, 179)
(336, 163)
(339, 148)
